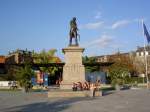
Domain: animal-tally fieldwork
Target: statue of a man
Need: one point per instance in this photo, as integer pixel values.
(73, 31)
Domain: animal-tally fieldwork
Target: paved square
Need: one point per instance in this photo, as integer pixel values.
(123, 101)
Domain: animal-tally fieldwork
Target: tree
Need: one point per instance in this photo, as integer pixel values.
(11, 72)
(90, 60)
(118, 73)
(24, 75)
(45, 57)
(121, 70)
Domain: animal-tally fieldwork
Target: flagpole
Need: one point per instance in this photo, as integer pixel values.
(145, 58)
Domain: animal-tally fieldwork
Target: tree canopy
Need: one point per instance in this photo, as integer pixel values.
(121, 70)
(90, 60)
(45, 57)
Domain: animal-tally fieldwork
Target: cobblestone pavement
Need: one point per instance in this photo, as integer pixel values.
(123, 101)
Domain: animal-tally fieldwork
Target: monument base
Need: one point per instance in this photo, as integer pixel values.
(66, 85)
(73, 70)
(69, 93)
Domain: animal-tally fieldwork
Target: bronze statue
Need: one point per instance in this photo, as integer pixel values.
(73, 32)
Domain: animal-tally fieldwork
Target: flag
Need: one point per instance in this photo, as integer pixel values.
(146, 33)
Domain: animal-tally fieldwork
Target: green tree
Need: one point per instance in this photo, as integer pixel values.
(45, 57)
(90, 60)
(24, 75)
(120, 71)
(11, 72)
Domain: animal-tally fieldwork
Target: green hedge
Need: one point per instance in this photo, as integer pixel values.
(2, 78)
(137, 80)
(134, 80)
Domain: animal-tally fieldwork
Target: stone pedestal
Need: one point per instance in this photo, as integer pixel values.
(73, 70)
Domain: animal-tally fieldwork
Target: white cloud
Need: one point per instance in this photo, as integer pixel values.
(120, 23)
(98, 15)
(95, 25)
(103, 41)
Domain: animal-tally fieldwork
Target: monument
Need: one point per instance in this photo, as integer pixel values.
(73, 70)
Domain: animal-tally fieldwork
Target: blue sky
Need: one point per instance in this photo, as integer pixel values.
(104, 25)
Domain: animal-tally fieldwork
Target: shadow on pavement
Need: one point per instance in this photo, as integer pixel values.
(47, 106)
(105, 93)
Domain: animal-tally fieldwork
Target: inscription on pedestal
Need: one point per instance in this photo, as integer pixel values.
(73, 70)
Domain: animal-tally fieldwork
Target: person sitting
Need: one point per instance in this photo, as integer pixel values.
(74, 88)
(92, 90)
(80, 86)
(86, 86)
(14, 85)
(97, 85)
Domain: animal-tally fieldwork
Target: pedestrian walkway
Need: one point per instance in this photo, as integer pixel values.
(137, 100)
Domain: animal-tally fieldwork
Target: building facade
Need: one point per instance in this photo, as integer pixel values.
(142, 57)
(112, 57)
(138, 58)
(19, 57)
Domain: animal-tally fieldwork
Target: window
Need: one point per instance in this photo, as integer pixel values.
(146, 52)
(142, 53)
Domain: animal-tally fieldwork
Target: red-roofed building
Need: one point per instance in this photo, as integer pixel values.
(2, 62)
(2, 59)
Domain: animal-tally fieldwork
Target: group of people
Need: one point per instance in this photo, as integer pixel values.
(13, 85)
(93, 87)
(81, 86)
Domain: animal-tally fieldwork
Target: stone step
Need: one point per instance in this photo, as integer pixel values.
(67, 93)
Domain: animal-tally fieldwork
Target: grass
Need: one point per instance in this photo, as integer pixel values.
(38, 90)
(15, 90)
(10, 90)
(107, 88)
